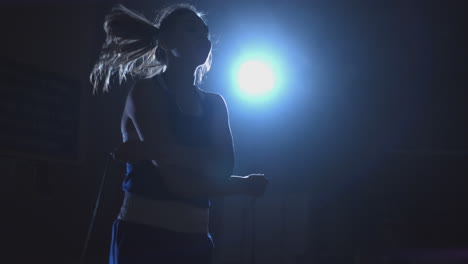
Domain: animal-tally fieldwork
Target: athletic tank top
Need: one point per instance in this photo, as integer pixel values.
(144, 178)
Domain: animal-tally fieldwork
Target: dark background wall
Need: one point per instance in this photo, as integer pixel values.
(367, 151)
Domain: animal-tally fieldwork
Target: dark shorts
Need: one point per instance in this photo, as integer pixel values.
(141, 244)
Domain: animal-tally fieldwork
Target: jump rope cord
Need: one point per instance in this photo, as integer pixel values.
(98, 201)
(96, 206)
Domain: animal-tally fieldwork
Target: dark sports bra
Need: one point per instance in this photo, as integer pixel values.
(144, 178)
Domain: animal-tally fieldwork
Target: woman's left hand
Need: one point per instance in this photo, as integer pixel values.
(130, 151)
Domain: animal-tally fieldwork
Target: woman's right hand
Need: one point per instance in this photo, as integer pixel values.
(255, 184)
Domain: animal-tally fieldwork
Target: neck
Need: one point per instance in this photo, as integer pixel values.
(179, 78)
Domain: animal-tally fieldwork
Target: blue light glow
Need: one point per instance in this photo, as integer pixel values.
(257, 75)
(255, 78)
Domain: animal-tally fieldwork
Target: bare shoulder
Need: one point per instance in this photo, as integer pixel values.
(144, 88)
(144, 95)
(217, 100)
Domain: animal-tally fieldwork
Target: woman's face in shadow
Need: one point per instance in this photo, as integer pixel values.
(189, 40)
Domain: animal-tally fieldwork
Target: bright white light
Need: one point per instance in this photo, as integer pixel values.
(255, 78)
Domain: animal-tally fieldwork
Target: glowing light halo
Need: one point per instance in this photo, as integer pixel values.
(255, 78)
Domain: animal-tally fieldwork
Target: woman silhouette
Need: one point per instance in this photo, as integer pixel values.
(177, 141)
